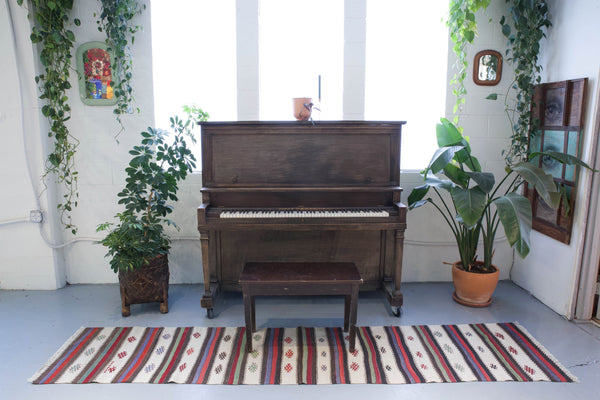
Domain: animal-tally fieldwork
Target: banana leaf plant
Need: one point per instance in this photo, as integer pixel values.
(477, 205)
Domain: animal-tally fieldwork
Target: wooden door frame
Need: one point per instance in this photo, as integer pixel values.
(588, 271)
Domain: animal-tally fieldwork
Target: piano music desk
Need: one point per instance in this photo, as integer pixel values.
(294, 279)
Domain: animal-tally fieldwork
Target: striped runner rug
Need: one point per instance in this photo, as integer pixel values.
(388, 354)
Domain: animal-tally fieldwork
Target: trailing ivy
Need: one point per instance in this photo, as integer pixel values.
(116, 21)
(50, 30)
(524, 28)
(463, 29)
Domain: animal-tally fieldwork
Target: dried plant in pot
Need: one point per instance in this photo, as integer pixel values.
(138, 244)
(474, 205)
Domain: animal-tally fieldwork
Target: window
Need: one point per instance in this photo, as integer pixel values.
(194, 60)
(297, 43)
(406, 71)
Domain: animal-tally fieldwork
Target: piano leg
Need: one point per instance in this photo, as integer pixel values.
(394, 294)
(207, 298)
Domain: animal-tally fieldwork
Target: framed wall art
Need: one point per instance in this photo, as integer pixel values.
(558, 113)
(94, 69)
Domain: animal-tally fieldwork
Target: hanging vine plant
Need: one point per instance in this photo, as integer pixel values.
(50, 30)
(529, 20)
(116, 20)
(463, 29)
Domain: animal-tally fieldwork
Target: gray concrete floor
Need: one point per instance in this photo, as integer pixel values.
(34, 324)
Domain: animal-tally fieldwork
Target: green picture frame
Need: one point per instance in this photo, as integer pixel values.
(95, 74)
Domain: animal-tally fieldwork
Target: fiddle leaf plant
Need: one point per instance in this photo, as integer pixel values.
(475, 205)
(156, 168)
(50, 29)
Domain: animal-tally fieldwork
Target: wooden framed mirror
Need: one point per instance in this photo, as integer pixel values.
(487, 68)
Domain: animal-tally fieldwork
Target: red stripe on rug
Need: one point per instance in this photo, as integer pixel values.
(174, 357)
(209, 355)
(142, 356)
(309, 356)
(237, 355)
(275, 355)
(373, 352)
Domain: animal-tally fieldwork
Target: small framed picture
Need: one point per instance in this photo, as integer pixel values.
(95, 71)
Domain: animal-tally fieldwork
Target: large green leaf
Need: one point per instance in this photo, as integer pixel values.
(432, 180)
(442, 157)
(469, 203)
(541, 181)
(514, 211)
(415, 198)
(465, 157)
(457, 175)
(447, 134)
(485, 180)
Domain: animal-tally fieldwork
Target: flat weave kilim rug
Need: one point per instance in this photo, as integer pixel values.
(388, 354)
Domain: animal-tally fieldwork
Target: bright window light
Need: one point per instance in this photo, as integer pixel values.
(406, 71)
(194, 58)
(297, 43)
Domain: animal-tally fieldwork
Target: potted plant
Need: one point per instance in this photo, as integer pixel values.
(138, 245)
(477, 205)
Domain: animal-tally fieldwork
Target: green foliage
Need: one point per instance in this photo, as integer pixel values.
(524, 29)
(463, 29)
(156, 168)
(116, 21)
(477, 205)
(50, 29)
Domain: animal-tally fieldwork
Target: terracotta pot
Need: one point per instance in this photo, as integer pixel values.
(302, 108)
(146, 285)
(474, 289)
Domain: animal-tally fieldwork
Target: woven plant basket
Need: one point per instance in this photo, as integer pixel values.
(149, 284)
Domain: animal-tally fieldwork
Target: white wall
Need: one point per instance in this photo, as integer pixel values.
(27, 262)
(551, 271)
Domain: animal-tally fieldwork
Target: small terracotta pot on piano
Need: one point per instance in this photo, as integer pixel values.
(302, 108)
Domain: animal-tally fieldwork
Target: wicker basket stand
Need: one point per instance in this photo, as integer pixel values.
(149, 284)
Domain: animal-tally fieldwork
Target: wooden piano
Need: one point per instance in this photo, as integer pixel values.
(301, 192)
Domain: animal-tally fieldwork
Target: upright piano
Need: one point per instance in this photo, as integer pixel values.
(301, 192)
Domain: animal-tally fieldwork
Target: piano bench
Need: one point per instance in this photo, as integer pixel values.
(295, 279)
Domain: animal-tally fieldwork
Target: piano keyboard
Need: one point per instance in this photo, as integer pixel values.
(306, 214)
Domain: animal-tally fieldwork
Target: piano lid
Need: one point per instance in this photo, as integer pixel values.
(281, 154)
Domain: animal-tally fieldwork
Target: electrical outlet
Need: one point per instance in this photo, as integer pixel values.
(36, 216)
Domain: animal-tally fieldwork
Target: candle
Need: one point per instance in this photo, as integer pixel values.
(319, 89)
